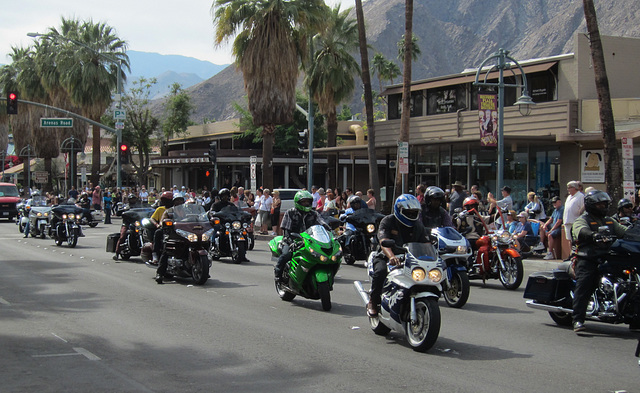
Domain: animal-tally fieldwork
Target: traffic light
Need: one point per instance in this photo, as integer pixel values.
(303, 140)
(123, 150)
(207, 173)
(213, 152)
(12, 103)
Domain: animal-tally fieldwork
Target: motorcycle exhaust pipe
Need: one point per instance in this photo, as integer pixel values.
(362, 292)
(546, 307)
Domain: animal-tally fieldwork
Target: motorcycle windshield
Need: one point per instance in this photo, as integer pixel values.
(38, 201)
(320, 234)
(422, 251)
(189, 212)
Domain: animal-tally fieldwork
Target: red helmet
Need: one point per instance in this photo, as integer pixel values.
(166, 198)
(470, 202)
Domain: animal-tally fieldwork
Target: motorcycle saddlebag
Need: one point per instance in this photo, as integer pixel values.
(112, 240)
(547, 286)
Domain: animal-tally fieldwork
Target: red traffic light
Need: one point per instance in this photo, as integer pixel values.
(12, 96)
(207, 173)
(124, 148)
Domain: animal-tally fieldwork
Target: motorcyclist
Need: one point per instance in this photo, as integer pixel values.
(625, 214)
(403, 226)
(590, 247)
(134, 202)
(224, 200)
(470, 223)
(169, 214)
(296, 220)
(85, 203)
(355, 204)
(165, 202)
(433, 214)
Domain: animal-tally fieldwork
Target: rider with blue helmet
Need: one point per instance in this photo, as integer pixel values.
(403, 226)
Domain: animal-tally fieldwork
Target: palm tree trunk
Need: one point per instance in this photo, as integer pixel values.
(613, 167)
(332, 136)
(405, 120)
(268, 133)
(95, 157)
(374, 181)
(47, 167)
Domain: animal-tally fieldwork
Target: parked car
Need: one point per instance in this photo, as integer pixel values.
(9, 198)
(286, 196)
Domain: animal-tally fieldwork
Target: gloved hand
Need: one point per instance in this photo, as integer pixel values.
(597, 237)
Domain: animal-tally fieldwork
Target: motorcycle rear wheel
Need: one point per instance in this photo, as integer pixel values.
(325, 295)
(457, 293)
(512, 277)
(561, 318)
(423, 335)
(377, 327)
(93, 224)
(200, 270)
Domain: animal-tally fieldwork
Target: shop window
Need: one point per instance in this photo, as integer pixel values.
(446, 99)
(542, 86)
(395, 105)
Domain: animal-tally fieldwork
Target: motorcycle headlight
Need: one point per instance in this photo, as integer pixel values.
(207, 235)
(64, 216)
(323, 258)
(72, 216)
(435, 275)
(505, 236)
(245, 225)
(371, 228)
(418, 274)
(461, 250)
(39, 214)
(137, 223)
(46, 214)
(192, 237)
(227, 225)
(237, 225)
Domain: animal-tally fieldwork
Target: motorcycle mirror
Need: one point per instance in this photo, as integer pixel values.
(296, 235)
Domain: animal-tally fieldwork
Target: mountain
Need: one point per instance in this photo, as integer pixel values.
(452, 35)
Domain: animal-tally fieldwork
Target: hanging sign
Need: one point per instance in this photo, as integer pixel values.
(488, 119)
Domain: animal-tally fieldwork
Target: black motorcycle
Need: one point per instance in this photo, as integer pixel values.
(358, 245)
(39, 215)
(64, 224)
(138, 232)
(187, 238)
(231, 226)
(617, 296)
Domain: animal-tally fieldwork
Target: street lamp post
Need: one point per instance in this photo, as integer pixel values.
(118, 90)
(524, 102)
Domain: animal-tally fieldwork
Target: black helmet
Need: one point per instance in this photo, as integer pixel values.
(624, 202)
(224, 193)
(594, 198)
(354, 201)
(433, 193)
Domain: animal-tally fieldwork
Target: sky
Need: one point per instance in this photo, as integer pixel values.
(168, 27)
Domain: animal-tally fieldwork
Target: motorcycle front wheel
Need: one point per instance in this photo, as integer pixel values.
(200, 270)
(240, 254)
(325, 295)
(457, 292)
(511, 278)
(422, 334)
(72, 240)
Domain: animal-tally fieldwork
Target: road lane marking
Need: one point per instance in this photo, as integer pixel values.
(6, 303)
(86, 353)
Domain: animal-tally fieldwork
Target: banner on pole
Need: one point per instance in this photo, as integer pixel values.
(488, 119)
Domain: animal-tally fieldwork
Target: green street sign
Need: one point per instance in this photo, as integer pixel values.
(56, 122)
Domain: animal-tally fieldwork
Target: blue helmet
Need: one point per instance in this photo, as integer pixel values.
(406, 209)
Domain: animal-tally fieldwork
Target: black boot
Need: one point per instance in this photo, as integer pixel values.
(159, 279)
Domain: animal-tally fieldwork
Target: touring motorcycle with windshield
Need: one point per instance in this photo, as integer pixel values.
(360, 243)
(232, 226)
(615, 300)
(410, 295)
(313, 266)
(187, 238)
(39, 215)
(64, 224)
(137, 232)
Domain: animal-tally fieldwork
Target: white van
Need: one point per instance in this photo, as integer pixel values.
(286, 196)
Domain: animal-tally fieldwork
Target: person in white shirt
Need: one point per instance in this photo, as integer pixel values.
(265, 211)
(316, 196)
(144, 195)
(573, 208)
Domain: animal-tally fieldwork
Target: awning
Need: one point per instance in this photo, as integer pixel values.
(18, 168)
(432, 84)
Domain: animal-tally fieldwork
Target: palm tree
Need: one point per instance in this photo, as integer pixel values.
(415, 49)
(270, 41)
(410, 51)
(374, 181)
(88, 59)
(330, 75)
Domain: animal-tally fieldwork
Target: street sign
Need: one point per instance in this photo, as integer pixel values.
(403, 157)
(627, 148)
(119, 125)
(253, 160)
(119, 114)
(41, 177)
(56, 122)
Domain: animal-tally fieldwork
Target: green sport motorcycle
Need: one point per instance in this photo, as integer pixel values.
(312, 268)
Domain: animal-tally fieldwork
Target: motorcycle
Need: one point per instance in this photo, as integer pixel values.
(312, 269)
(97, 216)
(615, 300)
(187, 237)
(454, 251)
(138, 232)
(231, 226)
(64, 224)
(410, 295)
(23, 215)
(39, 217)
(496, 256)
(364, 239)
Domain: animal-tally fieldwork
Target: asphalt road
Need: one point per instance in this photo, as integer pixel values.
(74, 320)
